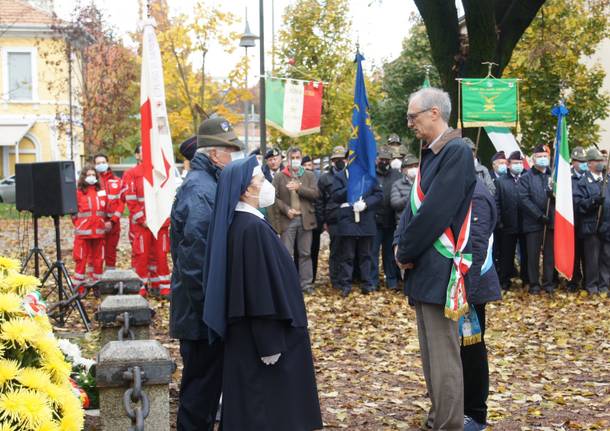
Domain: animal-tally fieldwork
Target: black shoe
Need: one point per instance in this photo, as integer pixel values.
(549, 290)
(308, 290)
(345, 292)
(534, 290)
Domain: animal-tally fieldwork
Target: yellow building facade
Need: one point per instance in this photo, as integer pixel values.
(34, 89)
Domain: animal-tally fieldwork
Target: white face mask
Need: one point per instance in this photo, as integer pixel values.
(90, 179)
(266, 196)
(396, 164)
(295, 163)
(411, 173)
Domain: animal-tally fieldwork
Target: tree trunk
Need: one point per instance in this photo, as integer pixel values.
(494, 28)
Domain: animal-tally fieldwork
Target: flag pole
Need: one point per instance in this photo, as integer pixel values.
(553, 167)
(262, 113)
(600, 210)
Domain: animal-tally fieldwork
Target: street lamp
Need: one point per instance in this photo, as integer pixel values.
(248, 40)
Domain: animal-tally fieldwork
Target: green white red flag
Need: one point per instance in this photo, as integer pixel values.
(293, 107)
(564, 209)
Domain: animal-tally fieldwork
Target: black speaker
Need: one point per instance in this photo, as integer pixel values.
(24, 187)
(50, 188)
(54, 188)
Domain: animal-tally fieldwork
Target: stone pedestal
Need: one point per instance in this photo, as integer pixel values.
(111, 315)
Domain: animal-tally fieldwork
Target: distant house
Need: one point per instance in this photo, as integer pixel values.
(34, 97)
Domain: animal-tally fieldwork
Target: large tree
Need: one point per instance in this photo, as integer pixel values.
(494, 28)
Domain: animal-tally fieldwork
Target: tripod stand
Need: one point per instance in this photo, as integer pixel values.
(68, 298)
(35, 252)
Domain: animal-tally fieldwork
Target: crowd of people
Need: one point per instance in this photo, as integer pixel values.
(245, 235)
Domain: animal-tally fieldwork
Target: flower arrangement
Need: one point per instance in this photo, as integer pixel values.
(35, 388)
(83, 377)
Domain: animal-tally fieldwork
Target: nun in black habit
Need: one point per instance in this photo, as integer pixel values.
(255, 305)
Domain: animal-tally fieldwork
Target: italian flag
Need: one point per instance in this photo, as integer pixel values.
(564, 210)
(293, 107)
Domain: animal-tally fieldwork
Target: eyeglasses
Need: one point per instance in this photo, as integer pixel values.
(412, 117)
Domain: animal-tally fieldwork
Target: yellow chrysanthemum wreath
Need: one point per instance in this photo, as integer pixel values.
(35, 393)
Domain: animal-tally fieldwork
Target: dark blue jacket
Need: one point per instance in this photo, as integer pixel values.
(586, 204)
(329, 183)
(346, 223)
(576, 176)
(534, 188)
(482, 288)
(604, 225)
(448, 181)
(385, 216)
(267, 172)
(190, 220)
(510, 218)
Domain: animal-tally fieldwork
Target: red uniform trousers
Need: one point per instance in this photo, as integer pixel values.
(88, 253)
(111, 242)
(149, 256)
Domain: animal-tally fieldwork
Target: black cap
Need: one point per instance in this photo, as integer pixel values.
(255, 152)
(188, 148)
(272, 152)
(500, 155)
(306, 159)
(217, 132)
(541, 149)
(515, 155)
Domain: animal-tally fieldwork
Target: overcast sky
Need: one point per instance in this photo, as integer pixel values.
(380, 25)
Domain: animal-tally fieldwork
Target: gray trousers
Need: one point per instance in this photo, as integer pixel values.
(302, 237)
(440, 354)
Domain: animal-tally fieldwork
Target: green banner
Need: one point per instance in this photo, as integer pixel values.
(489, 102)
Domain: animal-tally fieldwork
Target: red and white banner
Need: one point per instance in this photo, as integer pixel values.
(157, 152)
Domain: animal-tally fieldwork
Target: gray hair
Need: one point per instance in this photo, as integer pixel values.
(292, 150)
(433, 98)
(206, 150)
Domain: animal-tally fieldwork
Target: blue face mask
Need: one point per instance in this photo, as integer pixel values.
(542, 162)
(502, 170)
(516, 169)
(583, 166)
(101, 168)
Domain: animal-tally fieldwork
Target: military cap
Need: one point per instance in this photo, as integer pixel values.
(500, 155)
(306, 159)
(541, 149)
(384, 152)
(188, 148)
(217, 132)
(579, 154)
(394, 139)
(593, 154)
(272, 152)
(515, 155)
(338, 152)
(410, 160)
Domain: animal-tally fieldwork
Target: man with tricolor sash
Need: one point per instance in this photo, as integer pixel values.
(432, 246)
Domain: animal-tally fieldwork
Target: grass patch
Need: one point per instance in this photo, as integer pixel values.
(8, 212)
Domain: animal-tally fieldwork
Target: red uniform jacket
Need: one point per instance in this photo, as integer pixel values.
(113, 186)
(89, 221)
(133, 187)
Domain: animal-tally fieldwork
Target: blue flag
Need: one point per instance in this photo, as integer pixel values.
(362, 145)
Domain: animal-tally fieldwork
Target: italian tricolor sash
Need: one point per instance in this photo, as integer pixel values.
(456, 304)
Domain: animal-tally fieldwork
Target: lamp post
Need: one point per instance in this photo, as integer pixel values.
(263, 126)
(247, 41)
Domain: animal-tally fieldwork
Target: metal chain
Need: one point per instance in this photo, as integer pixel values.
(125, 330)
(121, 287)
(135, 395)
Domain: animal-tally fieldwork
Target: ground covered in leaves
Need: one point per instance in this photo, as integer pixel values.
(549, 356)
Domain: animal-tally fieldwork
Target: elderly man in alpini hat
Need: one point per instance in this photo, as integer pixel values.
(217, 146)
